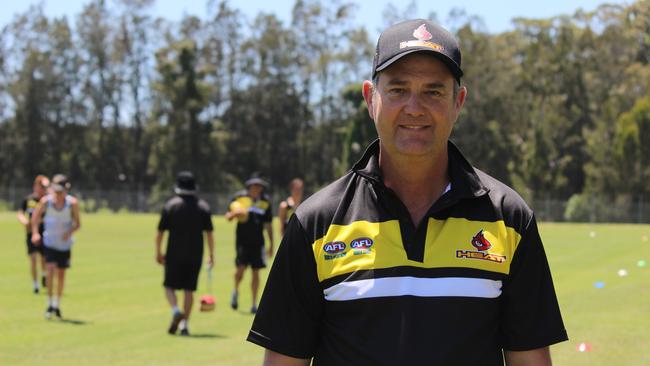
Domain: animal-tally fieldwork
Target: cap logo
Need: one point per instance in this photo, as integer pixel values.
(422, 33)
(423, 36)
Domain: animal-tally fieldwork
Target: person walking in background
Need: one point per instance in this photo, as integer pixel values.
(289, 205)
(59, 213)
(35, 252)
(252, 210)
(186, 217)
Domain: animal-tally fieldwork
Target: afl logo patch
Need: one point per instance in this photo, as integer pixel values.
(334, 247)
(361, 243)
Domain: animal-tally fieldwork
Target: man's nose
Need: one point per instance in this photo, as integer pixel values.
(414, 105)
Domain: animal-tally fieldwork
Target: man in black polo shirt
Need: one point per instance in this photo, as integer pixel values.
(414, 257)
(252, 210)
(186, 217)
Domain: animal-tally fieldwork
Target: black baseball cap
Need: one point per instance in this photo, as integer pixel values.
(185, 183)
(417, 35)
(256, 181)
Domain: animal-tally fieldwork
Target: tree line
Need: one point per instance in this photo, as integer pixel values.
(118, 99)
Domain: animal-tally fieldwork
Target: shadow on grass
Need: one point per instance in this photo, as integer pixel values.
(245, 312)
(73, 321)
(201, 335)
(206, 335)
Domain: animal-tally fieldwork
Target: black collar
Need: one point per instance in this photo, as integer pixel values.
(464, 180)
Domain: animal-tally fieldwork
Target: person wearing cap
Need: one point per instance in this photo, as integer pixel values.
(289, 205)
(252, 210)
(186, 217)
(59, 213)
(414, 257)
(39, 189)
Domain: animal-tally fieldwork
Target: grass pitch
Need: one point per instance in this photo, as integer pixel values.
(114, 305)
(116, 314)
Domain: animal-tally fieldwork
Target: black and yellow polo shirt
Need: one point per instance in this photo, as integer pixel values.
(28, 206)
(355, 283)
(250, 231)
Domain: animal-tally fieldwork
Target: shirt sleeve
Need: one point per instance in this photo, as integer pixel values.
(289, 315)
(23, 206)
(163, 224)
(530, 312)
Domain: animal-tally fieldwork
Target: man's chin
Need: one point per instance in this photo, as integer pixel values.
(415, 148)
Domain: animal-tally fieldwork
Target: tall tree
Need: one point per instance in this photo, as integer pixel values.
(182, 137)
(101, 86)
(360, 129)
(133, 51)
(632, 147)
(266, 115)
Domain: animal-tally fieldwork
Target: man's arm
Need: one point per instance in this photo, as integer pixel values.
(535, 357)
(24, 220)
(291, 308)
(37, 216)
(269, 232)
(22, 217)
(160, 258)
(282, 214)
(210, 248)
(277, 359)
(531, 319)
(76, 221)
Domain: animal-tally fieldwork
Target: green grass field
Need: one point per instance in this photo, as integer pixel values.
(116, 313)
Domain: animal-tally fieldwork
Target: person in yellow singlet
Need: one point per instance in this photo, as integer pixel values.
(252, 210)
(25, 212)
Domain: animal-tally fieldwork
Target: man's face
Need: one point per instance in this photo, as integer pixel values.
(413, 106)
(41, 188)
(60, 195)
(297, 189)
(255, 190)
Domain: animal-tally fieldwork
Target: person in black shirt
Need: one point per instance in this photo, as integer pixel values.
(252, 209)
(25, 212)
(414, 257)
(186, 217)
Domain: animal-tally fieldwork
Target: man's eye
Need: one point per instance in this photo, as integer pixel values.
(434, 93)
(397, 91)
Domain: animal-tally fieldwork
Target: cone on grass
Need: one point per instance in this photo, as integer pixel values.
(208, 303)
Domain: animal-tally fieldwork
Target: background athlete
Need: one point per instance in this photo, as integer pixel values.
(252, 210)
(186, 217)
(60, 213)
(289, 205)
(35, 252)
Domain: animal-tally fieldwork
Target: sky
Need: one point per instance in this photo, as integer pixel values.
(496, 14)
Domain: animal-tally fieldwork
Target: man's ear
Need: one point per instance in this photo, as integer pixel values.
(368, 91)
(460, 99)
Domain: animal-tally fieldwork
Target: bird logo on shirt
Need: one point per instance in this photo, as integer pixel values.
(480, 242)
